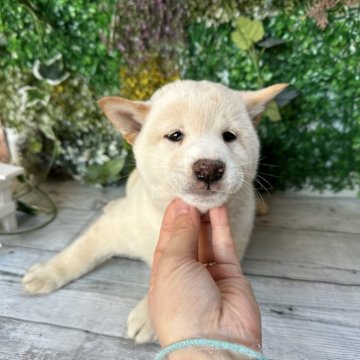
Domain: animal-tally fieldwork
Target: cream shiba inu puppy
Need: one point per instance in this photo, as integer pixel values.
(193, 140)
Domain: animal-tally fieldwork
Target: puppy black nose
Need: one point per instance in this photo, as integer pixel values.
(208, 171)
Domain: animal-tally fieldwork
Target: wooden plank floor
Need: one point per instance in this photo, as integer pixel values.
(303, 263)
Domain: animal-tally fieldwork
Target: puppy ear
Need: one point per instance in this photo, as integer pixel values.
(256, 101)
(127, 116)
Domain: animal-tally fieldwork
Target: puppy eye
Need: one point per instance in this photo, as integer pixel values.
(228, 136)
(175, 136)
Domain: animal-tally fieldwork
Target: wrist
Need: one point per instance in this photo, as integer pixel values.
(205, 354)
(207, 349)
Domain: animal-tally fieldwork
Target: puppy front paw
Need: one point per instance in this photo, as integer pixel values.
(139, 326)
(42, 278)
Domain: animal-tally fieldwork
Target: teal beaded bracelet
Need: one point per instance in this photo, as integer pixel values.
(215, 344)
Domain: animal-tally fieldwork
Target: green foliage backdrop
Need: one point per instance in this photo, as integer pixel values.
(63, 129)
(316, 140)
(316, 143)
(91, 47)
(41, 29)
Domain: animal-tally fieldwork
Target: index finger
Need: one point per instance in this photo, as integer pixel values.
(223, 244)
(205, 249)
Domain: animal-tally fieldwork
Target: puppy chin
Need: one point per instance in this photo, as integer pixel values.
(204, 204)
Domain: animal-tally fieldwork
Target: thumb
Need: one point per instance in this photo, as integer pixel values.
(185, 231)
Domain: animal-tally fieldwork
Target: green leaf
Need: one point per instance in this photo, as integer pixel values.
(241, 41)
(105, 173)
(247, 33)
(48, 131)
(114, 167)
(271, 42)
(94, 173)
(26, 208)
(31, 96)
(272, 111)
(35, 146)
(52, 71)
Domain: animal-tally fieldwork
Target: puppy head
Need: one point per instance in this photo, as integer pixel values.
(194, 140)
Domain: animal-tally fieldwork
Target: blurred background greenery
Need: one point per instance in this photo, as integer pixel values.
(57, 57)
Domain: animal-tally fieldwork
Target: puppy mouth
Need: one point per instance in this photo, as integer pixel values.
(205, 189)
(200, 192)
(205, 199)
(204, 193)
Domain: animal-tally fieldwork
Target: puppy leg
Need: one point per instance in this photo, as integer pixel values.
(262, 208)
(92, 248)
(139, 326)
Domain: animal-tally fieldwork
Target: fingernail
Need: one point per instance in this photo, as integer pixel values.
(182, 207)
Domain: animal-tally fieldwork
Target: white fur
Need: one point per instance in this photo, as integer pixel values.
(130, 226)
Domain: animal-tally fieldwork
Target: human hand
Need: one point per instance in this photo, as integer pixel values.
(189, 300)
